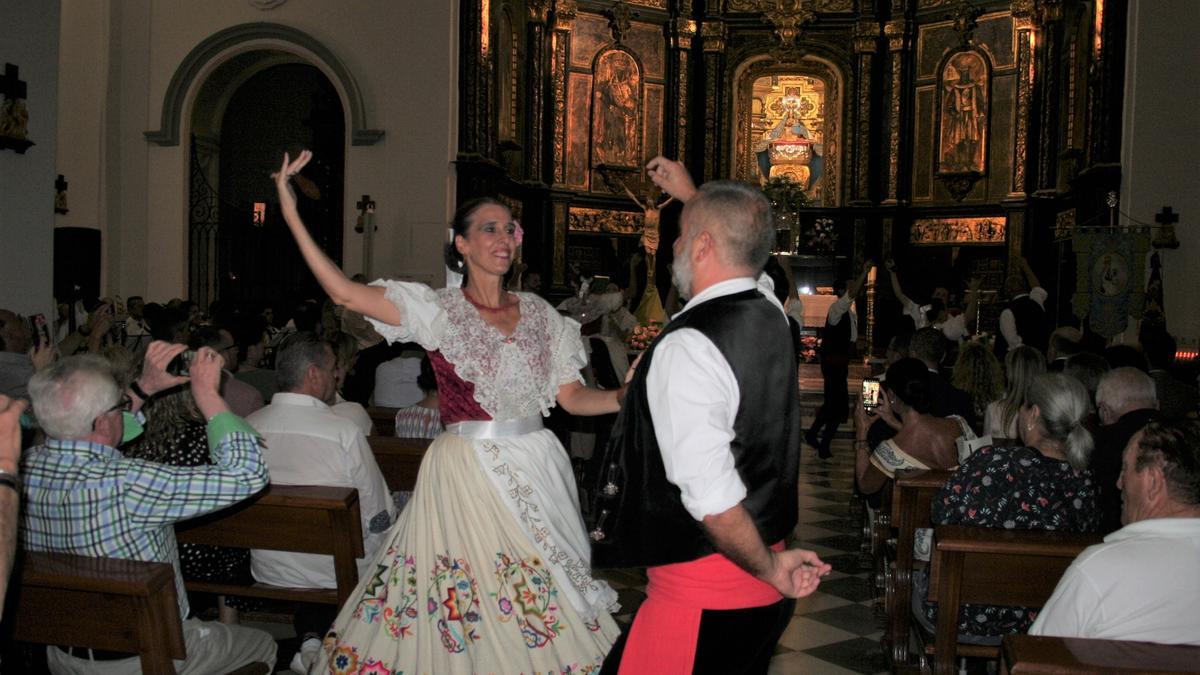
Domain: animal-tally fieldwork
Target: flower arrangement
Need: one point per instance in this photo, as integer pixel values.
(822, 238)
(641, 336)
(808, 348)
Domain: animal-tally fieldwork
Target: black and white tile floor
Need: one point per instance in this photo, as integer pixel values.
(836, 629)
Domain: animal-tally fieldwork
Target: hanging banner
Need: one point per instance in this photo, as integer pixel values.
(1109, 270)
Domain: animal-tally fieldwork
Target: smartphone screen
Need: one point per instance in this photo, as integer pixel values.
(870, 393)
(38, 330)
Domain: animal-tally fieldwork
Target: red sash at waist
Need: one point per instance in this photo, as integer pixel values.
(663, 637)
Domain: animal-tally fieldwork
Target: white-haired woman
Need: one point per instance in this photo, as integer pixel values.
(488, 568)
(1041, 484)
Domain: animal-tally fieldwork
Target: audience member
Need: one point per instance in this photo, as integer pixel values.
(176, 434)
(1043, 484)
(1141, 583)
(1122, 356)
(16, 361)
(10, 486)
(243, 398)
(137, 327)
(1176, 399)
(782, 287)
(1087, 369)
(373, 351)
(422, 419)
(308, 444)
(1022, 365)
(979, 374)
(1126, 402)
(922, 441)
(1023, 320)
(345, 352)
(1064, 343)
(251, 338)
(396, 381)
(837, 345)
(929, 346)
(82, 496)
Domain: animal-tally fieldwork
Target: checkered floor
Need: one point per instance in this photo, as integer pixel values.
(836, 629)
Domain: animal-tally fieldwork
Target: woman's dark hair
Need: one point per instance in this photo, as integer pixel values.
(427, 381)
(778, 277)
(908, 379)
(461, 222)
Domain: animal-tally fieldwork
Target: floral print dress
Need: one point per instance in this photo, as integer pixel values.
(1016, 488)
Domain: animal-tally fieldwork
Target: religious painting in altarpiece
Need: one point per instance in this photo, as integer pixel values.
(962, 142)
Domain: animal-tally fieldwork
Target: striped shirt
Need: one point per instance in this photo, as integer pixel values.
(88, 499)
(418, 422)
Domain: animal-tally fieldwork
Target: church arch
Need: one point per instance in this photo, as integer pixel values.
(227, 43)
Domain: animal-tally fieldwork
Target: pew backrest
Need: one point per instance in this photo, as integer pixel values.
(399, 459)
(1043, 655)
(296, 518)
(98, 603)
(913, 491)
(977, 565)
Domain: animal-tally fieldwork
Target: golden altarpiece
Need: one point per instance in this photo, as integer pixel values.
(949, 135)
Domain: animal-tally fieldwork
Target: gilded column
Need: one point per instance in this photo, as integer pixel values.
(472, 71)
(1049, 88)
(535, 60)
(898, 38)
(680, 32)
(564, 22)
(865, 45)
(1025, 78)
(712, 37)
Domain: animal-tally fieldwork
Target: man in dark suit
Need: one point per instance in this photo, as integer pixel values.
(929, 345)
(1126, 402)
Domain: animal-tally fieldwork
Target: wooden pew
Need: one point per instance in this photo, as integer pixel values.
(384, 420)
(297, 518)
(399, 459)
(913, 491)
(976, 565)
(98, 603)
(1039, 655)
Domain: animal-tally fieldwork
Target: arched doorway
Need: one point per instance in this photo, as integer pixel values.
(245, 115)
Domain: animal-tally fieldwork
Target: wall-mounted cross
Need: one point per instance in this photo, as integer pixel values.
(364, 203)
(60, 185)
(1167, 216)
(10, 85)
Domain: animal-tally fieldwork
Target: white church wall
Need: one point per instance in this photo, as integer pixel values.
(1160, 143)
(401, 55)
(29, 36)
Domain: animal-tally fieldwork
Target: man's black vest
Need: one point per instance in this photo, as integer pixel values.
(639, 520)
(1031, 323)
(836, 346)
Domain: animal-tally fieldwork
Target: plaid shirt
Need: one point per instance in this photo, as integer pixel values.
(89, 499)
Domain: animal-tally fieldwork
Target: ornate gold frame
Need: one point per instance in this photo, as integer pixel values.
(744, 164)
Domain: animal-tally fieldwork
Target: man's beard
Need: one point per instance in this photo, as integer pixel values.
(681, 272)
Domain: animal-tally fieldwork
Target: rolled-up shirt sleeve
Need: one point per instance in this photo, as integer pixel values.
(693, 399)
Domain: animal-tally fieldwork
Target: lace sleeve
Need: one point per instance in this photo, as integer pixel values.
(423, 318)
(567, 356)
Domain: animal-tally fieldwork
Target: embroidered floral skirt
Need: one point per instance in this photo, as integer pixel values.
(474, 577)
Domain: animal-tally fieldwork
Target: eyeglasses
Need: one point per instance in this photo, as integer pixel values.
(122, 405)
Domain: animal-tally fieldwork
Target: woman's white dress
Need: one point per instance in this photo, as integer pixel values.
(488, 568)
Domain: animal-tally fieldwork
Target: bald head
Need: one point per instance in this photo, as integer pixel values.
(1124, 390)
(738, 217)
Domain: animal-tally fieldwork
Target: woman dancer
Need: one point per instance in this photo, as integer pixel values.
(488, 569)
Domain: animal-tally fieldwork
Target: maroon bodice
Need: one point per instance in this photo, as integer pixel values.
(456, 397)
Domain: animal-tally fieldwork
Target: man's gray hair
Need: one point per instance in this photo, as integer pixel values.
(1126, 389)
(69, 395)
(300, 351)
(739, 216)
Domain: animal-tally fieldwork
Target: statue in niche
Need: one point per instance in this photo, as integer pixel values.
(788, 148)
(615, 110)
(964, 114)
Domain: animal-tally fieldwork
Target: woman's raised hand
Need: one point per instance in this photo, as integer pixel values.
(283, 177)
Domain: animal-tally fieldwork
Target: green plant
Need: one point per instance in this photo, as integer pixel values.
(785, 194)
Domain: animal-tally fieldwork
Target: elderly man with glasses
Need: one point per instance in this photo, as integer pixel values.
(83, 496)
